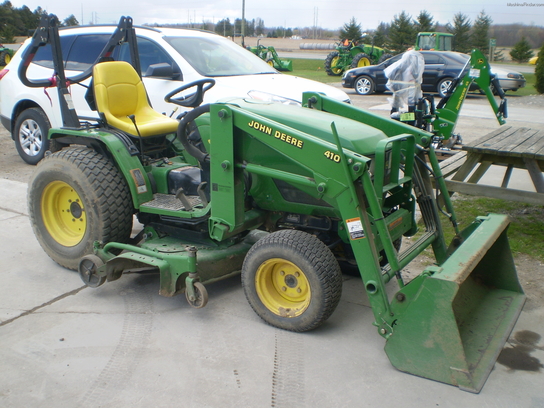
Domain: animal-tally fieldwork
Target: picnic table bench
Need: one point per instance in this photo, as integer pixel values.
(520, 148)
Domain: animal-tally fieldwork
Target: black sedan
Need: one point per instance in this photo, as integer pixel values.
(441, 67)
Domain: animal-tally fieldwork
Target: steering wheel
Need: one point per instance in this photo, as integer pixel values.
(194, 99)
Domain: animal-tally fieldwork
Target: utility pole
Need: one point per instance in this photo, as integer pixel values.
(243, 21)
(316, 10)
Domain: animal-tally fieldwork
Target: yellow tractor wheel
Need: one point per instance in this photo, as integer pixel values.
(75, 198)
(292, 280)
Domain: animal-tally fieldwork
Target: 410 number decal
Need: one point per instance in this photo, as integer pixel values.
(332, 156)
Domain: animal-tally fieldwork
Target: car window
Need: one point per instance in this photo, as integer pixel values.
(218, 56)
(432, 59)
(44, 57)
(150, 53)
(85, 50)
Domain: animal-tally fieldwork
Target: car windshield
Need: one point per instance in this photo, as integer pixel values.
(214, 57)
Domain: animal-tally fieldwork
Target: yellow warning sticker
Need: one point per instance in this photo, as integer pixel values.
(355, 228)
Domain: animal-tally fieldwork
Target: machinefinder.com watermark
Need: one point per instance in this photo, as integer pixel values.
(525, 4)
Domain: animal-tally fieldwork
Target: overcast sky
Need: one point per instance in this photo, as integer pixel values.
(330, 14)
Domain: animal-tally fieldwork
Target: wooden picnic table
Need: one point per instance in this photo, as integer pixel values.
(520, 148)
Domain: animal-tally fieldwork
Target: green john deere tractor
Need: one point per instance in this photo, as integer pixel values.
(5, 55)
(281, 194)
(270, 55)
(434, 41)
(353, 56)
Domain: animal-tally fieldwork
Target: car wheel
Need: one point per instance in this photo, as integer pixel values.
(364, 85)
(443, 86)
(30, 135)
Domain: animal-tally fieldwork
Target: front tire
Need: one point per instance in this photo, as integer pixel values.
(76, 197)
(292, 280)
(30, 135)
(364, 85)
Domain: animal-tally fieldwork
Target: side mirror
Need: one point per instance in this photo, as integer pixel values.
(162, 70)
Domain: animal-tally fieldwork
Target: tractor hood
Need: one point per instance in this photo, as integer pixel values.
(355, 136)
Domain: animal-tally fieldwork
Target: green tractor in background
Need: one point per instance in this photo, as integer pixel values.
(5, 55)
(271, 57)
(434, 41)
(351, 55)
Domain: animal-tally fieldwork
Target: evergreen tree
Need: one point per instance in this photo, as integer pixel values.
(521, 51)
(424, 22)
(70, 21)
(539, 71)
(351, 31)
(461, 30)
(380, 35)
(7, 35)
(402, 34)
(480, 32)
(224, 28)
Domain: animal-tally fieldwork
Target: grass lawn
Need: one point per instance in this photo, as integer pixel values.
(525, 231)
(312, 69)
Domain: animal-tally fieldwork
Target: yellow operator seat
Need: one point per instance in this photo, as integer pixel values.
(119, 93)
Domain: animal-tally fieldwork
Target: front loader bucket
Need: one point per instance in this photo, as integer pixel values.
(453, 320)
(285, 65)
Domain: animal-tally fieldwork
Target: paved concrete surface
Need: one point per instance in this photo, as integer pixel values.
(122, 345)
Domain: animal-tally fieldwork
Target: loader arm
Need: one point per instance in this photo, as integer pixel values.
(476, 70)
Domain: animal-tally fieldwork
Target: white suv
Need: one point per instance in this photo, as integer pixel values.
(28, 113)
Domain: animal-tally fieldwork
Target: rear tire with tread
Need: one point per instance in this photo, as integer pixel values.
(330, 64)
(76, 197)
(384, 57)
(361, 60)
(5, 58)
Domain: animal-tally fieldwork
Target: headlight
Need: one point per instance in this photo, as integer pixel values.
(348, 73)
(267, 97)
(514, 76)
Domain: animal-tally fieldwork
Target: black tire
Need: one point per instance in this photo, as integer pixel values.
(384, 57)
(361, 60)
(76, 197)
(270, 62)
(330, 64)
(443, 86)
(364, 85)
(5, 58)
(30, 135)
(292, 280)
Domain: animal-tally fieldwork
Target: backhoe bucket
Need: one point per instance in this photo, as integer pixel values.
(453, 320)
